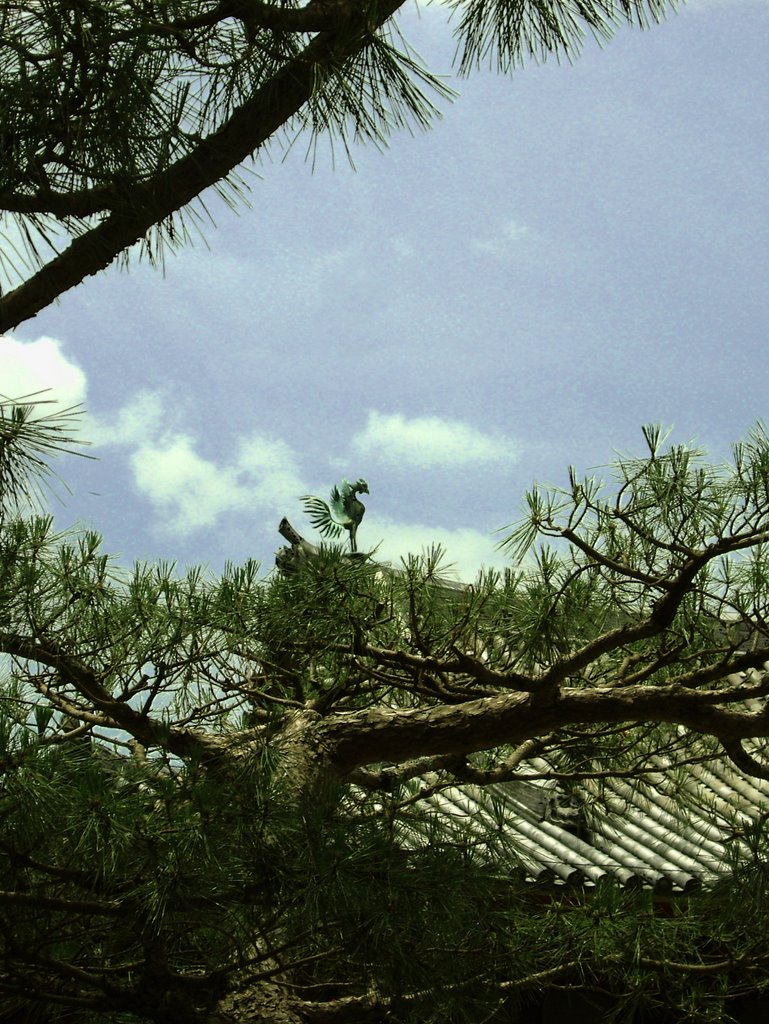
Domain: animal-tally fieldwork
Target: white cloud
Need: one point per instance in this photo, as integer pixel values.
(501, 241)
(467, 551)
(191, 492)
(187, 490)
(273, 470)
(402, 247)
(27, 367)
(142, 419)
(429, 441)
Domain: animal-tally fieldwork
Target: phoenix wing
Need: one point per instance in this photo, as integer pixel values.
(321, 516)
(339, 498)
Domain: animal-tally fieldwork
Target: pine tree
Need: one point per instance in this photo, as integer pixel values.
(216, 795)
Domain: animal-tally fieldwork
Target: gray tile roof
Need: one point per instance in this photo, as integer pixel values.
(673, 833)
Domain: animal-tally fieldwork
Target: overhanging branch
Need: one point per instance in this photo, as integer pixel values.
(148, 731)
(146, 205)
(396, 735)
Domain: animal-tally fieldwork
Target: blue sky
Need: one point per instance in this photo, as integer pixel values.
(569, 253)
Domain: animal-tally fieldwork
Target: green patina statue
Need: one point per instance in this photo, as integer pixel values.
(344, 512)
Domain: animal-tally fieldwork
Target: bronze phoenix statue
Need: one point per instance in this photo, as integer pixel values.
(343, 512)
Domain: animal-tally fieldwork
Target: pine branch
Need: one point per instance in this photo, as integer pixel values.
(271, 106)
(148, 731)
(30, 901)
(316, 16)
(367, 737)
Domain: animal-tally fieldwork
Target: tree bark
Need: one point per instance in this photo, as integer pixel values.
(398, 735)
